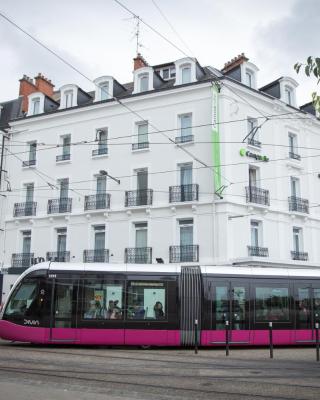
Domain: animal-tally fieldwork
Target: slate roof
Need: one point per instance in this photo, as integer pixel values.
(10, 110)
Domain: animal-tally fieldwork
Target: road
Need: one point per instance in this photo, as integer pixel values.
(87, 373)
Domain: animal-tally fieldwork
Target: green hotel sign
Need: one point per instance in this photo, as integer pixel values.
(258, 157)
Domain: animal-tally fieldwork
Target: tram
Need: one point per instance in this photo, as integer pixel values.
(158, 305)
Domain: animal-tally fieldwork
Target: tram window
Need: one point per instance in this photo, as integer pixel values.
(23, 299)
(146, 300)
(221, 306)
(103, 300)
(272, 304)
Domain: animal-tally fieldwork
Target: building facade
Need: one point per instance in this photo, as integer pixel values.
(186, 164)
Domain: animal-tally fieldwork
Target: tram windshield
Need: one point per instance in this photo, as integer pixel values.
(23, 299)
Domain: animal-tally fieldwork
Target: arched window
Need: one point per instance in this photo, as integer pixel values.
(104, 91)
(186, 73)
(249, 78)
(288, 95)
(35, 106)
(144, 82)
(68, 98)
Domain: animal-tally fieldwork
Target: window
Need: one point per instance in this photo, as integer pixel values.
(185, 122)
(295, 186)
(104, 91)
(166, 73)
(185, 174)
(141, 230)
(293, 146)
(29, 193)
(256, 227)
(26, 249)
(68, 98)
(253, 177)
(253, 132)
(61, 242)
(103, 299)
(142, 136)
(65, 144)
(288, 95)
(186, 74)
(99, 237)
(103, 141)
(23, 300)
(186, 232)
(36, 106)
(297, 240)
(271, 304)
(146, 300)
(64, 188)
(144, 82)
(32, 154)
(249, 78)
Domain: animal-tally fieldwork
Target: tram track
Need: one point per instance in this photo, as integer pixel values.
(153, 387)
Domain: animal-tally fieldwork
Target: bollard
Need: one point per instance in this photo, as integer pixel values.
(227, 338)
(317, 340)
(270, 340)
(195, 336)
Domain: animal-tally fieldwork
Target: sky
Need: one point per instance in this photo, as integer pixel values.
(97, 37)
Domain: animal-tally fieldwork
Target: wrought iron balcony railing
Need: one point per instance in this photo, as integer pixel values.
(299, 255)
(298, 204)
(254, 142)
(97, 201)
(25, 209)
(138, 255)
(184, 193)
(100, 151)
(29, 163)
(22, 260)
(59, 256)
(294, 156)
(187, 253)
(62, 205)
(255, 251)
(63, 157)
(184, 139)
(257, 195)
(97, 255)
(139, 146)
(141, 197)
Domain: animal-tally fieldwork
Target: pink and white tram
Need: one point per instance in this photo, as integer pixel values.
(110, 304)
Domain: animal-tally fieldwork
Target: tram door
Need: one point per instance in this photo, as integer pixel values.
(230, 303)
(307, 299)
(63, 322)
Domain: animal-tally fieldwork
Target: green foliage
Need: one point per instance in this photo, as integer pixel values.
(311, 68)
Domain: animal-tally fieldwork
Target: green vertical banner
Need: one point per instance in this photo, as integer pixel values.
(216, 139)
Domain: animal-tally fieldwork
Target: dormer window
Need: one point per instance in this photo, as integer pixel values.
(144, 82)
(186, 73)
(68, 98)
(249, 78)
(104, 91)
(288, 95)
(35, 106)
(36, 103)
(249, 73)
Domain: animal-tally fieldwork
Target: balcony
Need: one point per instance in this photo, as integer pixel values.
(21, 260)
(257, 195)
(299, 205)
(100, 151)
(184, 139)
(138, 255)
(29, 163)
(294, 156)
(56, 206)
(184, 193)
(59, 256)
(253, 142)
(63, 157)
(97, 201)
(135, 198)
(187, 253)
(25, 209)
(140, 146)
(98, 255)
(299, 255)
(255, 251)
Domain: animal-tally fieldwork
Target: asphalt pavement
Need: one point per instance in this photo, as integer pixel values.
(87, 373)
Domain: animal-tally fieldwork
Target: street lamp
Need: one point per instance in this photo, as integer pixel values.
(105, 173)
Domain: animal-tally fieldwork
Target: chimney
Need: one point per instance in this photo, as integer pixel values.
(26, 87)
(44, 85)
(139, 62)
(235, 62)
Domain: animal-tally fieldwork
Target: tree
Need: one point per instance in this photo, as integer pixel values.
(311, 68)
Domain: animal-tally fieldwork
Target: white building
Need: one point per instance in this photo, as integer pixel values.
(187, 187)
